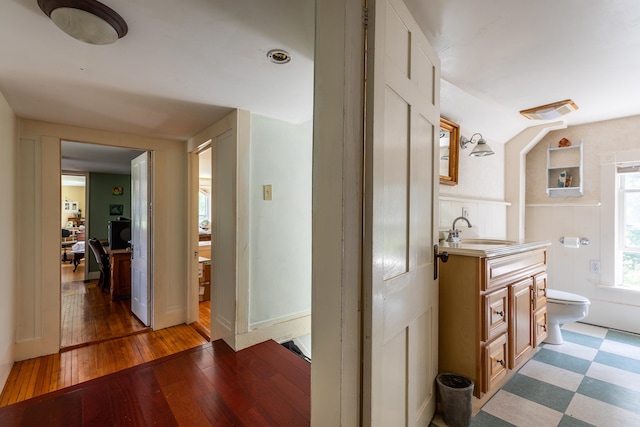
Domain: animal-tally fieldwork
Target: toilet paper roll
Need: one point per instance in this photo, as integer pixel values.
(571, 242)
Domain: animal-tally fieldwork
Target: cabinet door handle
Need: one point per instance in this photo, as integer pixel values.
(500, 313)
(500, 362)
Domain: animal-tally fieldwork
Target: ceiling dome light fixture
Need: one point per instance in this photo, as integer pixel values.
(86, 20)
(482, 148)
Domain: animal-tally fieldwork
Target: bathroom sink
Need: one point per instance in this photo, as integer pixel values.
(488, 242)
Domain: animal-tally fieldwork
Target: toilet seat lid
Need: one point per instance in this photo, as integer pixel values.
(567, 297)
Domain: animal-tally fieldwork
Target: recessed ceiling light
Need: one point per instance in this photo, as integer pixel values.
(86, 20)
(279, 56)
(550, 111)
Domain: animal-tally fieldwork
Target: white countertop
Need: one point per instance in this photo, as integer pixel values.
(487, 248)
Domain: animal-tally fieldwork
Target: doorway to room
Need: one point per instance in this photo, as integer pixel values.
(203, 324)
(73, 202)
(95, 298)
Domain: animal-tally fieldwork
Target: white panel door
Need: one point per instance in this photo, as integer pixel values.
(140, 206)
(401, 295)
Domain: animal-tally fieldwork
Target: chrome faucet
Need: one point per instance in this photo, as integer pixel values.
(454, 233)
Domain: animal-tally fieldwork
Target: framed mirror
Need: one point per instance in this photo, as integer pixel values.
(449, 148)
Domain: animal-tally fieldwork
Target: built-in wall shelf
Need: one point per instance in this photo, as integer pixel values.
(565, 170)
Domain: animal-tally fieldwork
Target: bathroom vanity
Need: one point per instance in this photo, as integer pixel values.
(492, 314)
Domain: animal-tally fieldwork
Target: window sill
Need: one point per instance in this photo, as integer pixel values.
(627, 288)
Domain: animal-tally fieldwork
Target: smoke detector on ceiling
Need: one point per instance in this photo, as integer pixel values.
(550, 111)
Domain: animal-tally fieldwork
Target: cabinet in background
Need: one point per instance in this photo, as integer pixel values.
(120, 274)
(567, 160)
(492, 316)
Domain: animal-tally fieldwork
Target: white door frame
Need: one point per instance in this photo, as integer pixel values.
(193, 227)
(338, 156)
(227, 294)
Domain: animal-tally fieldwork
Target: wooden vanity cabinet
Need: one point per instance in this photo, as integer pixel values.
(540, 309)
(492, 316)
(520, 323)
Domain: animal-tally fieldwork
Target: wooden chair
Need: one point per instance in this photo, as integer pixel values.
(103, 261)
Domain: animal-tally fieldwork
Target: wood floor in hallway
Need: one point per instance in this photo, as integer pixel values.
(211, 385)
(115, 371)
(88, 315)
(35, 377)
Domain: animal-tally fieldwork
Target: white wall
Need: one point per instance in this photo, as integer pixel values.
(481, 189)
(280, 229)
(8, 252)
(549, 218)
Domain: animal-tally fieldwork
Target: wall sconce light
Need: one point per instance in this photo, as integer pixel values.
(482, 148)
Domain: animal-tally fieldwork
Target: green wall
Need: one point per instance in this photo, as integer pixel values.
(100, 198)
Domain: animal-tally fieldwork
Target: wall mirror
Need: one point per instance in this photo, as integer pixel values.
(449, 147)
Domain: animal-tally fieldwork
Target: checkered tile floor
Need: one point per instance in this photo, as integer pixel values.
(593, 379)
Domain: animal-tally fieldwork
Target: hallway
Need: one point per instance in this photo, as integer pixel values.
(89, 315)
(34, 377)
(264, 385)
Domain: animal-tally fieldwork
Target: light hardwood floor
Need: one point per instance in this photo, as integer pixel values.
(34, 377)
(98, 337)
(89, 316)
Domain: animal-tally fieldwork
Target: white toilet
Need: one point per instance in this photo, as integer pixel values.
(563, 307)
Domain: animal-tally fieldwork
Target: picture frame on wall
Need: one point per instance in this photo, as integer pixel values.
(116, 209)
(117, 191)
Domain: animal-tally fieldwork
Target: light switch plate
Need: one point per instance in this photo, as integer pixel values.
(266, 192)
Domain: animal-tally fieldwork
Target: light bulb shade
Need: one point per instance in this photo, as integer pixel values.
(86, 20)
(481, 149)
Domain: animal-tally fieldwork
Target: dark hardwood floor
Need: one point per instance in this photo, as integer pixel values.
(264, 385)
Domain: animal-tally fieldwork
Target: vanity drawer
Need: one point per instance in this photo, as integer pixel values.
(502, 270)
(494, 362)
(496, 308)
(539, 325)
(540, 287)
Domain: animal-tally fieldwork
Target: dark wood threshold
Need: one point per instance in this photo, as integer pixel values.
(99, 341)
(201, 330)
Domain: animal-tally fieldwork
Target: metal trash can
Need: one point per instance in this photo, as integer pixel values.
(455, 399)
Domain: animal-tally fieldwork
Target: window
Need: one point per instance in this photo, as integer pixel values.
(203, 205)
(628, 233)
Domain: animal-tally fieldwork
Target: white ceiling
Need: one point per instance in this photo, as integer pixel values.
(183, 65)
(502, 56)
